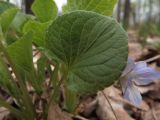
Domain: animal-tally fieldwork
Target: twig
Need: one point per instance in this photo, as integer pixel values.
(110, 105)
(36, 53)
(127, 102)
(78, 117)
(152, 59)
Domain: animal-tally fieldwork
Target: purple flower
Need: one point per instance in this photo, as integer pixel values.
(136, 74)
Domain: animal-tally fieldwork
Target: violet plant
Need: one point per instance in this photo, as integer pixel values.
(84, 49)
(136, 74)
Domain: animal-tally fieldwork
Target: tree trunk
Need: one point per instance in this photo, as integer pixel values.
(139, 7)
(119, 11)
(150, 11)
(127, 9)
(159, 11)
(28, 4)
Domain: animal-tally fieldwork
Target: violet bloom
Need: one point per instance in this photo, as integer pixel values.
(136, 74)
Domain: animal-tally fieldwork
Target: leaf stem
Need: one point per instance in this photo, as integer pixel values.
(17, 94)
(56, 91)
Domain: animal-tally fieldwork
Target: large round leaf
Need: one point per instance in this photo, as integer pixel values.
(93, 47)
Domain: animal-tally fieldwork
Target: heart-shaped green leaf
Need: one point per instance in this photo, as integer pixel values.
(45, 10)
(7, 17)
(93, 48)
(104, 7)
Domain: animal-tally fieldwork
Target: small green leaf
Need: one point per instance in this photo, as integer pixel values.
(45, 10)
(93, 48)
(19, 21)
(15, 32)
(21, 53)
(104, 7)
(38, 30)
(7, 17)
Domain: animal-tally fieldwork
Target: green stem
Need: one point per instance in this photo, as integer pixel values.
(34, 81)
(55, 95)
(56, 83)
(71, 99)
(50, 74)
(64, 74)
(17, 94)
(26, 97)
(54, 76)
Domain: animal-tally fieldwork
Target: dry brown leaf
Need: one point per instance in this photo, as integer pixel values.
(3, 113)
(55, 113)
(104, 110)
(153, 113)
(87, 105)
(90, 107)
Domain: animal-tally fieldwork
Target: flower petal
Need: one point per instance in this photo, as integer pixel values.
(146, 75)
(140, 65)
(133, 95)
(125, 82)
(130, 66)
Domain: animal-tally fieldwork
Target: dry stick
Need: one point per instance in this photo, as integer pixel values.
(78, 117)
(110, 105)
(152, 59)
(36, 53)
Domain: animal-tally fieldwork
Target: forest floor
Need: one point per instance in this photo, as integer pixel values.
(96, 107)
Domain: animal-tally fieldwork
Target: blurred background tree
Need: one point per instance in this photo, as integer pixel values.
(27, 4)
(128, 12)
